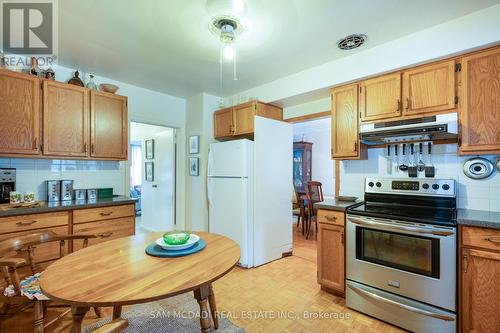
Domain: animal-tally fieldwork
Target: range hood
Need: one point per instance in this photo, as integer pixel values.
(444, 126)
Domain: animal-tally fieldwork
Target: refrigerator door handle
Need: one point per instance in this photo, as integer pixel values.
(210, 162)
(209, 191)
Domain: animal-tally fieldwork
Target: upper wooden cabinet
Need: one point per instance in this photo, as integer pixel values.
(429, 88)
(380, 98)
(345, 127)
(19, 114)
(65, 119)
(239, 120)
(109, 129)
(479, 105)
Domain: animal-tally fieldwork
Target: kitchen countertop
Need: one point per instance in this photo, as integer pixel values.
(334, 204)
(479, 218)
(48, 207)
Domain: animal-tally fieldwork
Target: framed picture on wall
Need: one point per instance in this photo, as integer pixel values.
(194, 144)
(194, 166)
(150, 149)
(149, 171)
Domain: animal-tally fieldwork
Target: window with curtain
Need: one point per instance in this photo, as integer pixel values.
(135, 164)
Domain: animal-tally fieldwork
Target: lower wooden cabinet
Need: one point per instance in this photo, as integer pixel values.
(480, 280)
(331, 249)
(105, 230)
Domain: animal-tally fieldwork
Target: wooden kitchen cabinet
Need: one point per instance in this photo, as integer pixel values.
(480, 280)
(479, 105)
(105, 230)
(65, 120)
(108, 126)
(345, 125)
(331, 260)
(380, 98)
(429, 89)
(239, 120)
(19, 114)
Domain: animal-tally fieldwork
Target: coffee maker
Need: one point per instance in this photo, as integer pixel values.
(7, 184)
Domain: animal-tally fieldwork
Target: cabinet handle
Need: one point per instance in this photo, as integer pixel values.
(35, 144)
(25, 223)
(85, 147)
(342, 238)
(106, 234)
(106, 214)
(493, 240)
(465, 263)
(408, 103)
(399, 105)
(92, 148)
(355, 146)
(331, 218)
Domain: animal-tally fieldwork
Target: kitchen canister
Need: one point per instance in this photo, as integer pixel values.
(15, 197)
(29, 197)
(80, 194)
(92, 194)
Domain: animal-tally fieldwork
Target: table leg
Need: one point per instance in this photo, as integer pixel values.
(213, 307)
(39, 315)
(202, 294)
(117, 311)
(78, 313)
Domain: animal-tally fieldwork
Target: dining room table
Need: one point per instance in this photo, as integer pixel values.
(119, 272)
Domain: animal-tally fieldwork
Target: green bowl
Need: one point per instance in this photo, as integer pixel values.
(176, 237)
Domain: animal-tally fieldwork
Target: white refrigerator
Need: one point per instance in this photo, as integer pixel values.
(249, 193)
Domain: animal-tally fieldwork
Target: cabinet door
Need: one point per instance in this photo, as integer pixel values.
(223, 123)
(479, 108)
(480, 289)
(105, 230)
(244, 116)
(331, 272)
(345, 129)
(19, 113)
(429, 88)
(65, 119)
(108, 126)
(380, 98)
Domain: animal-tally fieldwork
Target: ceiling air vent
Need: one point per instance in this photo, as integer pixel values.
(351, 42)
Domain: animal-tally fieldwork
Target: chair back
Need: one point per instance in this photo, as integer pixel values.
(314, 193)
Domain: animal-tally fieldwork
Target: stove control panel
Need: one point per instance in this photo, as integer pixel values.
(424, 186)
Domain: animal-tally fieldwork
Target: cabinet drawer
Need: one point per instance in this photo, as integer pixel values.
(42, 252)
(330, 217)
(481, 237)
(102, 213)
(30, 222)
(106, 230)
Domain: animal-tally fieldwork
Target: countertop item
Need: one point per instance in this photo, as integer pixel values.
(334, 204)
(479, 218)
(48, 207)
(126, 275)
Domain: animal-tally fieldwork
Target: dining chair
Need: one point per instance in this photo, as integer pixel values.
(314, 193)
(19, 267)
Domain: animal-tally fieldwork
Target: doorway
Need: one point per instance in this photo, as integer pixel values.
(152, 176)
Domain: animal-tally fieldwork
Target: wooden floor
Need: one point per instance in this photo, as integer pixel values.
(281, 296)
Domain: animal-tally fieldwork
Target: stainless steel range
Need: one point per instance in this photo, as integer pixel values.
(401, 248)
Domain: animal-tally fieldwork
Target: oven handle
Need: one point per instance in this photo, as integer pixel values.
(399, 305)
(391, 227)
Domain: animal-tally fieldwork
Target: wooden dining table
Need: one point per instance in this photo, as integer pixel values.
(119, 272)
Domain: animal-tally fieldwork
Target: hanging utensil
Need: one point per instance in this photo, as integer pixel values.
(421, 164)
(397, 159)
(412, 169)
(389, 160)
(429, 169)
(403, 166)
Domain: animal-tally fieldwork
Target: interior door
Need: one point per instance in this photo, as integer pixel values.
(244, 115)
(19, 113)
(479, 108)
(380, 98)
(429, 88)
(65, 119)
(345, 128)
(223, 123)
(109, 126)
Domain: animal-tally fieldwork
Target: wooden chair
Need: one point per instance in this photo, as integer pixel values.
(299, 209)
(314, 193)
(17, 261)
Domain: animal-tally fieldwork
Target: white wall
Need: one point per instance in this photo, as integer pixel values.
(157, 198)
(472, 194)
(315, 106)
(319, 133)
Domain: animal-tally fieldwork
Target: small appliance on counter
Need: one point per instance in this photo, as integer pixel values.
(53, 190)
(66, 190)
(7, 184)
(80, 194)
(92, 194)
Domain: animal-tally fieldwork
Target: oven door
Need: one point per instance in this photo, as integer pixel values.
(409, 259)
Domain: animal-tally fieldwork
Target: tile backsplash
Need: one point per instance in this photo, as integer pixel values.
(31, 174)
(481, 194)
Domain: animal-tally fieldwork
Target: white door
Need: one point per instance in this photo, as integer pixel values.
(229, 213)
(273, 149)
